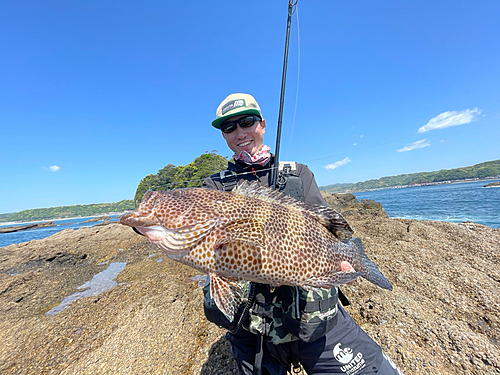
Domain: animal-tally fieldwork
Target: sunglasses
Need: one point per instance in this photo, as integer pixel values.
(245, 122)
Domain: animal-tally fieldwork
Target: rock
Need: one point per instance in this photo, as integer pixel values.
(443, 316)
(493, 184)
(106, 222)
(349, 206)
(99, 218)
(18, 228)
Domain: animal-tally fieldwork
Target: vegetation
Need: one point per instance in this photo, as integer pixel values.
(479, 171)
(167, 178)
(68, 211)
(4, 217)
(191, 175)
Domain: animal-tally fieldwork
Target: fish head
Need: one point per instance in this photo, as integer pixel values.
(144, 216)
(174, 220)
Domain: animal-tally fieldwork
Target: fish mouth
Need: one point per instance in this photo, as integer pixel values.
(136, 219)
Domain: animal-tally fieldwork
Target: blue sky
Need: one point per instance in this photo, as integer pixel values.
(95, 95)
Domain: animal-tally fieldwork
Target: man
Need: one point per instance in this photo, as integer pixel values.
(282, 326)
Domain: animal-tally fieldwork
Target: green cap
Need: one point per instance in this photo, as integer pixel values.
(234, 105)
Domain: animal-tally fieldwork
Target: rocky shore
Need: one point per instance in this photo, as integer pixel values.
(443, 316)
(493, 184)
(18, 228)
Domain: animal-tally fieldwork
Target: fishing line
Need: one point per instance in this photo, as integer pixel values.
(291, 5)
(296, 10)
(155, 187)
(361, 149)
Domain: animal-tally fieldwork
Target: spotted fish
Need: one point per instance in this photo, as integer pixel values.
(253, 233)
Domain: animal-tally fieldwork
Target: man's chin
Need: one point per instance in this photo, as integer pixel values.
(249, 150)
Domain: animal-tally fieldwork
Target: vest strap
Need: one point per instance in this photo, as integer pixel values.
(228, 179)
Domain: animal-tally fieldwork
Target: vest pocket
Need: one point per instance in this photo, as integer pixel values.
(309, 315)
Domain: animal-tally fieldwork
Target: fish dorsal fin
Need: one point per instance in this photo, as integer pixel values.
(328, 217)
(227, 294)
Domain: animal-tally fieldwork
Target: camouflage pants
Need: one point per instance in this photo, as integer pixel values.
(346, 349)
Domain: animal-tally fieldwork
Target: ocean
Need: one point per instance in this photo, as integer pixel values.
(457, 202)
(37, 234)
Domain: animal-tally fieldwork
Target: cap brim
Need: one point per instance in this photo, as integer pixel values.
(251, 111)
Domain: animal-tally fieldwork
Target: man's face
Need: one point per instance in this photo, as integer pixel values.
(246, 139)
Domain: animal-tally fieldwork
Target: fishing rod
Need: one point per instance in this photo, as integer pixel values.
(291, 5)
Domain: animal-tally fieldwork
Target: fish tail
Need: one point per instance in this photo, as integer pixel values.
(372, 273)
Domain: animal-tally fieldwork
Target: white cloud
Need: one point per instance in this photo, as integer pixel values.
(451, 118)
(354, 144)
(54, 168)
(337, 164)
(413, 146)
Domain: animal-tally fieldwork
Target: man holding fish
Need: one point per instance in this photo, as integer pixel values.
(274, 256)
(263, 337)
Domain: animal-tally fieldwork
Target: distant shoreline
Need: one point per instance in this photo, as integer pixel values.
(419, 185)
(13, 223)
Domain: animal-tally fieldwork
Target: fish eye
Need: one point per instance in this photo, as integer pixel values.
(176, 192)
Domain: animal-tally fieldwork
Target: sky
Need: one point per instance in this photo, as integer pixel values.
(95, 95)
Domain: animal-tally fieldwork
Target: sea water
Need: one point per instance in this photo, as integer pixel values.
(37, 234)
(455, 202)
(99, 283)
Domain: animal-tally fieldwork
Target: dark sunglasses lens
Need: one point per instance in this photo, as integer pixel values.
(228, 127)
(247, 121)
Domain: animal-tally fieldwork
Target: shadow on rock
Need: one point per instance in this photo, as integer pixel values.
(220, 359)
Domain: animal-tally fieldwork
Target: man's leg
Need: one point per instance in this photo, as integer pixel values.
(245, 346)
(346, 349)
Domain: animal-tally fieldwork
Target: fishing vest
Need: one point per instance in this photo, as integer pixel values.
(281, 314)
(287, 181)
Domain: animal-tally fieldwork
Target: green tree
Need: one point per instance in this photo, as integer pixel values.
(191, 175)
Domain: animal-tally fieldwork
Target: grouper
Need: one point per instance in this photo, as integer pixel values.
(253, 233)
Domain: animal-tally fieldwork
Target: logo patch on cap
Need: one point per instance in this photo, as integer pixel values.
(232, 105)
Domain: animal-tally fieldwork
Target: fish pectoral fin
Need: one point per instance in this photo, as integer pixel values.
(246, 230)
(227, 294)
(329, 279)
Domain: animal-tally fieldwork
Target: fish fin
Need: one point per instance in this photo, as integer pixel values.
(328, 217)
(372, 272)
(246, 230)
(227, 294)
(332, 220)
(329, 279)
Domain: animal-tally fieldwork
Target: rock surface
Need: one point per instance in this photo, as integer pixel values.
(493, 184)
(98, 218)
(18, 228)
(443, 316)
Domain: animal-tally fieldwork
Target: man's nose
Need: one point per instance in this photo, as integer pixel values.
(240, 132)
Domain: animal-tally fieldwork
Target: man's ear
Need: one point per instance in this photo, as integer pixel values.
(263, 125)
